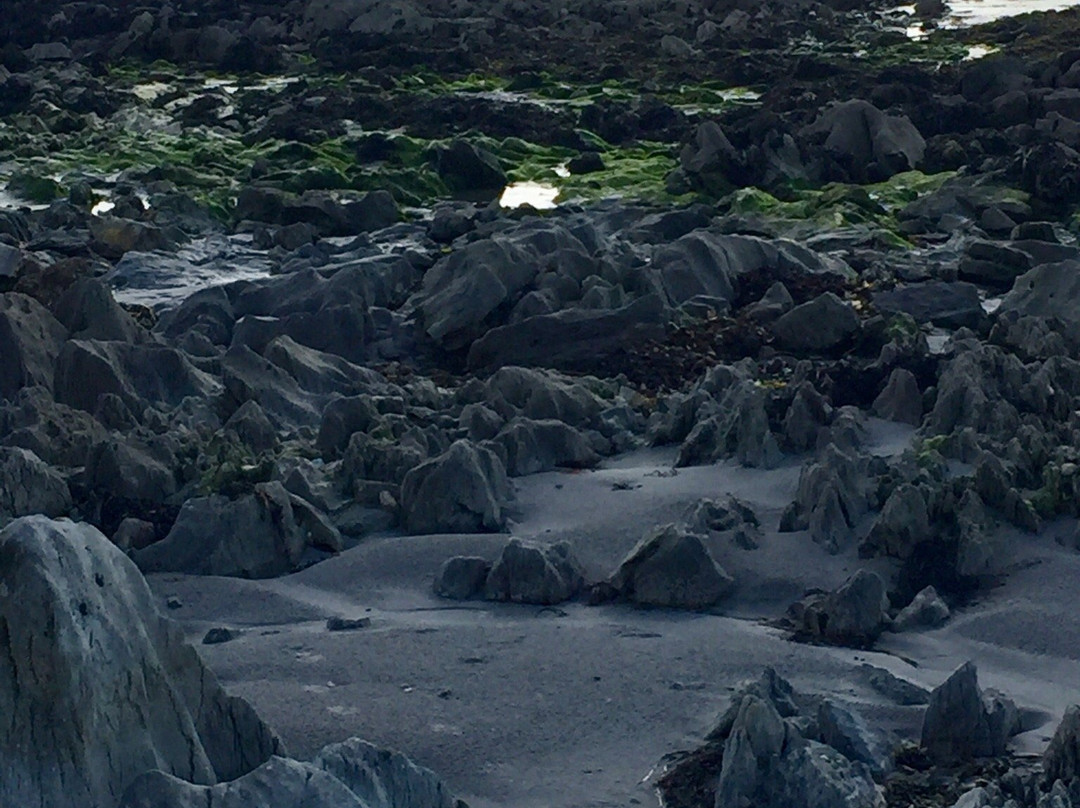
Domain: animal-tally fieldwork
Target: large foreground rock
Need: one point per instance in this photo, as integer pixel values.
(527, 572)
(255, 536)
(96, 686)
(463, 490)
(673, 568)
(1050, 290)
(854, 614)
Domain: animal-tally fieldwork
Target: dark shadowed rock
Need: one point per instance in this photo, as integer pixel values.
(527, 572)
(86, 647)
(961, 723)
(463, 490)
(901, 400)
(672, 568)
(863, 144)
(383, 778)
(461, 577)
(123, 470)
(87, 309)
(848, 733)
(949, 305)
(255, 536)
(30, 340)
(464, 166)
(823, 324)
(138, 374)
(854, 614)
(902, 525)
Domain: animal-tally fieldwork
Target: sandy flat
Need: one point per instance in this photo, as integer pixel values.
(575, 706)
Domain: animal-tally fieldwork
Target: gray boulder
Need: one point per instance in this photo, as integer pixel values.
(535, 446)
(710, 161)
(823, 324)
(926, 609)
(461, 577)
(807, 415)
(949, 305)
(901, 399)
(672, 568)
(464, 166)
(463, 490)
(86, 647)
(383, 778)
(863, 144)
(962, 723)
(527, 572)
(902, 525)
(817, 776)
(30, 340)
(832, 495)
(542, 394)
(1050, 290)
(88, 310)
(255, 536)
(737, 426)
(854, 614)
(30, 486)
(121, 469)
(848, 733)
(992, 264)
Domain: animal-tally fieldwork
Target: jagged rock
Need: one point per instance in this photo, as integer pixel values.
(766, 764)
(899, 691)
(817, 326)
(710, 161)
(534, 446)
(770, 686)
(280, 781)
(383, 778)
(368, 458)
(709, 514)
(138, 374)
(775, 302)
(30, 486)
(901, 399)
(542, 394)
(30, 340)
(113, 236)
(255, 536)
(961, 723)
(250, 426)
(848, 733)
(807, 414)
(59, 435)
(854, 614)
(672, 568)
(832, 496)
(902, 525)
(463, 490)
(341, 418)
(88, 311)
(86, 647)
(121, 469)
(1061, 760)
(526, 572)
(461, 577)
(318, 531)
(480, 422)
(927, 609)
(739, 428)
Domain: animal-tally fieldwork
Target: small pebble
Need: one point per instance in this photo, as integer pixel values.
(347, 624)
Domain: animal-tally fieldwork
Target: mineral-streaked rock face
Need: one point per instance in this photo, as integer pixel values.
(95, 686)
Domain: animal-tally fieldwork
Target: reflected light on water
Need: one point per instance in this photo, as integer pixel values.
(539, 195)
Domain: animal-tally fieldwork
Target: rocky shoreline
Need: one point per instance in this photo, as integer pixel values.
(262, 313)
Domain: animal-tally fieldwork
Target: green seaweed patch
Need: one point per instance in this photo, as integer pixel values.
(34, 187)
(839, 205)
